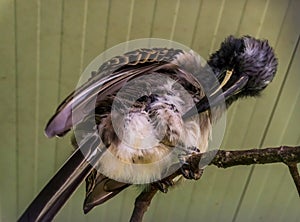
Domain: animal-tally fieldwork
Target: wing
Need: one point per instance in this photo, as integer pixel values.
(111, 76)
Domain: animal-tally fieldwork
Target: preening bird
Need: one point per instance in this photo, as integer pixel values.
(135, 117)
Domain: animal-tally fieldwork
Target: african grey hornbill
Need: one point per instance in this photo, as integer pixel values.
(138, 108)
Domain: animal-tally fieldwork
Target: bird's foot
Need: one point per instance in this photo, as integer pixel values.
(190, 166)
(191, 173)
(164, 184)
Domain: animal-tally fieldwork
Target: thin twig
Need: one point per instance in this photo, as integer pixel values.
(141, 204)
(295, 175)
(224, 159)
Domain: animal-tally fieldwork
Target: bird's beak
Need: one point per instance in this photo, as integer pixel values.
(220, 95)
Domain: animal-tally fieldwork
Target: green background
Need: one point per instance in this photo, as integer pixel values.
(45, 45)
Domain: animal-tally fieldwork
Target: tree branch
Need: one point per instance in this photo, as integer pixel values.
(141, 204)
(224, 159)
(295, 175)
(284, 154)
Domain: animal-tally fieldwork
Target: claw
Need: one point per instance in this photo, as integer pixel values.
(164, 184)
(189, 170)
(161, 186)
(191, 173)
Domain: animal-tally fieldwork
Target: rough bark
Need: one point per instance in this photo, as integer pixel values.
(229, 158)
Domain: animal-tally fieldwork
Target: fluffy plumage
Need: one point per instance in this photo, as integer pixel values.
(144, 134)
(134, 133)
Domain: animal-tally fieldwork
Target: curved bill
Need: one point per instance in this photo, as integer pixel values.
(217, 97)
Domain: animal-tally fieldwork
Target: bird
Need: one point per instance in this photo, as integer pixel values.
(142, 112)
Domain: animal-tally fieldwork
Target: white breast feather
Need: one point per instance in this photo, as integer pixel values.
(143, 154)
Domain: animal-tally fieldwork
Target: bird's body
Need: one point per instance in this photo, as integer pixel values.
(136, 115)
(144, 131)
(150, 134)
(149, 131)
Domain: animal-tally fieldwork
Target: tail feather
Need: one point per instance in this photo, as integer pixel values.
(59, 189)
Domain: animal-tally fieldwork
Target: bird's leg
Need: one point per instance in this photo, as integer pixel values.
(190, 166)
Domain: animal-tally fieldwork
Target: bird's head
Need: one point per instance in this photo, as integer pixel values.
(244, 67)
